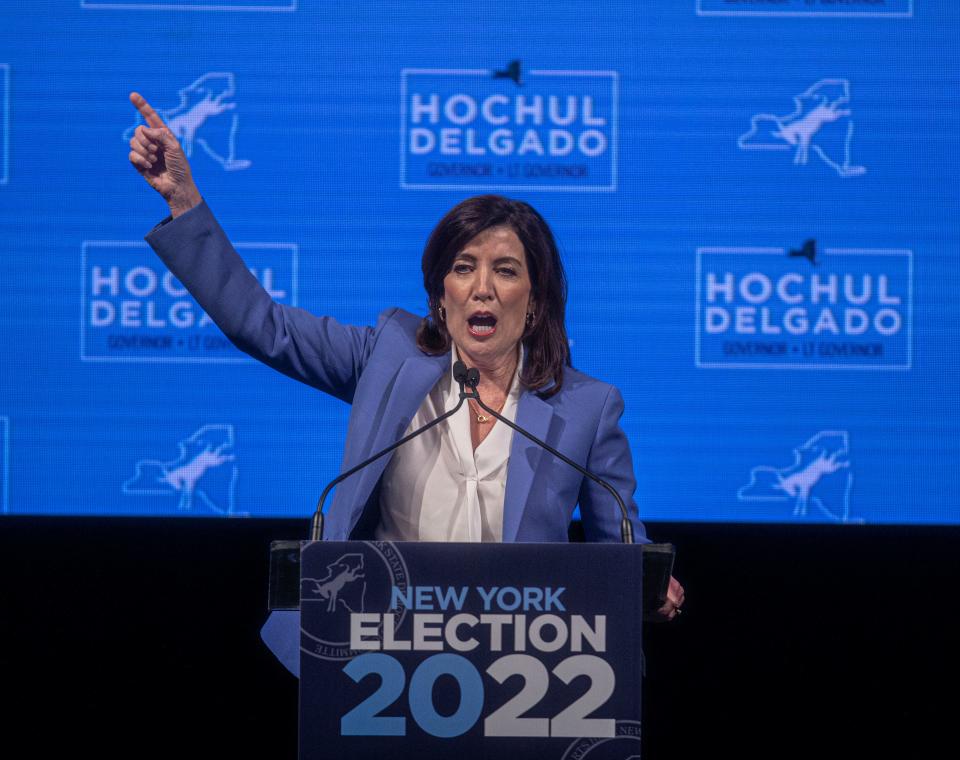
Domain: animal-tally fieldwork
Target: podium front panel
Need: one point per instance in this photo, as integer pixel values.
(447, 650)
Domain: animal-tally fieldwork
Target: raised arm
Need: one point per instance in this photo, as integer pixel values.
(318, 351)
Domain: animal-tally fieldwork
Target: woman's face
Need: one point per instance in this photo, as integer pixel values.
(486, 295)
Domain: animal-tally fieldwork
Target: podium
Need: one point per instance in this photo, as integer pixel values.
(452, 650)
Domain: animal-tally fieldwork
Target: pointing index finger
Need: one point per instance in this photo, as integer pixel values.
(146, 111)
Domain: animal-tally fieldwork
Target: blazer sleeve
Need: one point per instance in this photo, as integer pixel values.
(610, 459)
(315, 350)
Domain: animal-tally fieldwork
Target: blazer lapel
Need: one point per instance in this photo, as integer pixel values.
(533, 415)
(417, 375)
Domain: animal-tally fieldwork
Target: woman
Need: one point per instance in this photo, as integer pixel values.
(496, 295)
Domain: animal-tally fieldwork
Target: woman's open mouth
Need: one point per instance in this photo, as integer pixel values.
(482, 325)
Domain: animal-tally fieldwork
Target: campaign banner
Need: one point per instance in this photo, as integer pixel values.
(508, 129)
(240, 6)
(842, 8)
(4, 123)
(769, 188)
(802, 308)
(135, 310)
(439, 650)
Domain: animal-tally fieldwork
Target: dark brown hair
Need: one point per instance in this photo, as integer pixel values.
(545, 340)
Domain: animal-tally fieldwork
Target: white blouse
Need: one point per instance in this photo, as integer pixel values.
(436, 487)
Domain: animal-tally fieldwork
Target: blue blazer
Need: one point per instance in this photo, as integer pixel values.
(384, 376)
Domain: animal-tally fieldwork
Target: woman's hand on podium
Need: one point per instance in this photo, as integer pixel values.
(671, 607)
(156, 154)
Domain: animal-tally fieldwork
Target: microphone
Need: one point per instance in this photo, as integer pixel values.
(461, 375)
(626, 527)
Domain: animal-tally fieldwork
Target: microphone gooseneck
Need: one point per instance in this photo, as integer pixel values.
(626, 527)
(461, 374)
(469, 378)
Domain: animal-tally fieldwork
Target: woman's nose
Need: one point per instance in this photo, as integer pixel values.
(483, 285)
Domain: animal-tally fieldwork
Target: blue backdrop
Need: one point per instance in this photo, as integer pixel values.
(757, 203)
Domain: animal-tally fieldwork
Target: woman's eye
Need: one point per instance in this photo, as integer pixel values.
(461, 268)
(507, 271)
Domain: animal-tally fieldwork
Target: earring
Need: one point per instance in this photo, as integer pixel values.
(442, 313)
(530, 316)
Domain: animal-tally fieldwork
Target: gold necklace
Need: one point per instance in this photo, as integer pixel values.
(481, 417)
